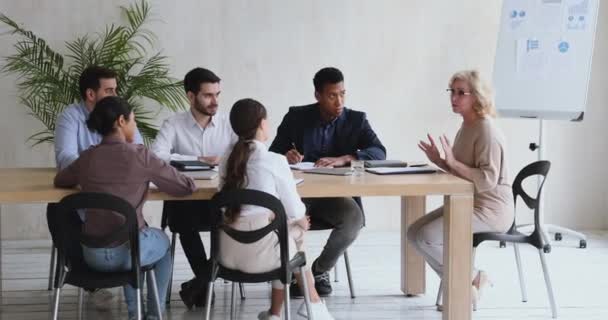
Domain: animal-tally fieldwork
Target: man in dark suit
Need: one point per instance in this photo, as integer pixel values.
(330, 135)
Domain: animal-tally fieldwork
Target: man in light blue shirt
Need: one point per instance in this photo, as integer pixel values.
(71, 133)
(72, 136)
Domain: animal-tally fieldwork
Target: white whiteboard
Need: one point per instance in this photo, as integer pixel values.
(543, 58)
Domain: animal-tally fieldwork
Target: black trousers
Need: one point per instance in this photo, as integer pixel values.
(188, 219)
(344, 216)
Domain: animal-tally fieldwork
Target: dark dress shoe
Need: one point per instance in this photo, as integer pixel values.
(194, 293)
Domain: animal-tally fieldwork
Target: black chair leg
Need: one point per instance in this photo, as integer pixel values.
(336, 275)
(52, 267)
(351, 285)
(138, 301)
(232, 302)
(208, 302)
(286, 304)
(170, 286)
(306, 293)
(439, 293)
(548, 283)
(242, 290)
(152, 286)
(56, 303)
(522, 284)
(80, 303)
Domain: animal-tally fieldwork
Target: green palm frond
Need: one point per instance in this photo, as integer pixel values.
(48, 80)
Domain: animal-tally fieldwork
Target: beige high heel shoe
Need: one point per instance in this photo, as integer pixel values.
(483, 281)
(474, 299)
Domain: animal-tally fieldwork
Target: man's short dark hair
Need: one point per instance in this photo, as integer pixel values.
(89, 78)
(325, 76)
(197, 76)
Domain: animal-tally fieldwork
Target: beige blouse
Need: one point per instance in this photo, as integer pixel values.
(481, 146)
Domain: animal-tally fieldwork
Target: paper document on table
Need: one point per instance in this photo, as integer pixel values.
(427, 169)
(298, 181)
(201, 175)
(331, 171)
(302, 165)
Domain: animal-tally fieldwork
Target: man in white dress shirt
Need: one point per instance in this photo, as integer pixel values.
(201, 133)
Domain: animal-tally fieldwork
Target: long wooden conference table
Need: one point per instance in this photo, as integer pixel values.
(35, 185)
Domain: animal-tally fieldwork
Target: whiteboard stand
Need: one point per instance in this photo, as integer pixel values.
(549, 228)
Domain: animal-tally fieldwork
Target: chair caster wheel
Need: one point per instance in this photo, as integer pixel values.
(558, 236)
(502, 244)
(583, 244)
(547, 249)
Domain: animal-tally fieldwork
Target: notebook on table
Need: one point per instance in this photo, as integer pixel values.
(190, 165)
(406, 170)
(331, 171)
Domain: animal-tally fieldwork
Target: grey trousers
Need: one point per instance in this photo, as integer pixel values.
(344, 217)
(426, 234)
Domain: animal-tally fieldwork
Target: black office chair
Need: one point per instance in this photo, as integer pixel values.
(278, 225)
(534, 239)
(71, 267)
(164, 223)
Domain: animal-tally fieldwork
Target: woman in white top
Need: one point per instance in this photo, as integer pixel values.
(251, 166)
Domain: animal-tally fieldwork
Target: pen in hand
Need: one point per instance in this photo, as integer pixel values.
(293, 155)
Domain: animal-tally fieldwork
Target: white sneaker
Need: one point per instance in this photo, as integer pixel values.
(266, 315)
(318, 309)
(101, 299)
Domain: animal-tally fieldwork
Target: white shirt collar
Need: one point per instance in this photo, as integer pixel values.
(193, 122)
(260, 145)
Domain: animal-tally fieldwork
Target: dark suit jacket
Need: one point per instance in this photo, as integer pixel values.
(353, 134)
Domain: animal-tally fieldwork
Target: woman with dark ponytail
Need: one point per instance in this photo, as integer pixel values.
(123, 169)
(251, 166)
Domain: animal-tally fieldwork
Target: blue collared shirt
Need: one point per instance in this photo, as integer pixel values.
(320, 143)
(72, 136)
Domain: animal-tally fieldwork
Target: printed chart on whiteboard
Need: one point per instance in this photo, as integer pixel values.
(543, 57)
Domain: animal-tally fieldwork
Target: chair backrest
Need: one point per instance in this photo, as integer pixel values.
(536, 168)
(256, 198)
(66, 233)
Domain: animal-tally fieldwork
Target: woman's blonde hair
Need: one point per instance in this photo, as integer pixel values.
(484, 106)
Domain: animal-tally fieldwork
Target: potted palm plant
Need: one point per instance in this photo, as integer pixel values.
(48, 79)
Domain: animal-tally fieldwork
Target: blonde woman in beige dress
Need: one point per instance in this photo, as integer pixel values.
(477, 155)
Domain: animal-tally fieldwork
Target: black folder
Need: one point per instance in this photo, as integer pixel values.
(190, 165)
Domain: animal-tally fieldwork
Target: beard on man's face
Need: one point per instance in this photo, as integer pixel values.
(208, 110)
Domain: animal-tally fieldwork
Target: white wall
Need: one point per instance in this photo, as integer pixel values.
(396, 56)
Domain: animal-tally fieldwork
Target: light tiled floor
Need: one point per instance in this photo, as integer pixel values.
(578, 278)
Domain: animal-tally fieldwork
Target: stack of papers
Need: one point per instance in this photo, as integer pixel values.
(201, 175)
(331, 171)
(302, 165)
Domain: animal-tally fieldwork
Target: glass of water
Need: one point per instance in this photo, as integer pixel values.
(357, 167)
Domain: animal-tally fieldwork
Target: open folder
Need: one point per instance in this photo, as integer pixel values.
(406, 170)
